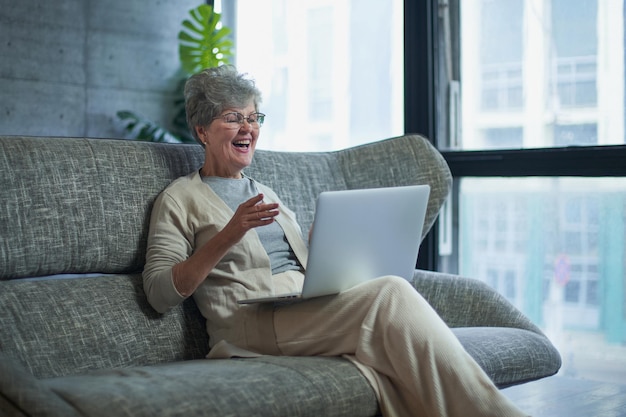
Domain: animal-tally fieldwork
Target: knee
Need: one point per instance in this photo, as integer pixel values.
(395, 281)
(399, 298)
(396, 287)
(387, 290)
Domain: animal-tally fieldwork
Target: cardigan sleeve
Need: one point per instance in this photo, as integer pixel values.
(169, 243)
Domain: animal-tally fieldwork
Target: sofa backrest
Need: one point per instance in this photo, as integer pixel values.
(74, 205)
(81, 206)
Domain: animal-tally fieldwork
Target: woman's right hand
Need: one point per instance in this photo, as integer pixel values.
(190, 273)
(250, 214)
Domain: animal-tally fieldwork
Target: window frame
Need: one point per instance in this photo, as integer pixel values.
(420, 27)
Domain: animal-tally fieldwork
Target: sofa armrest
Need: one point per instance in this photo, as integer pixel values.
(466, 302)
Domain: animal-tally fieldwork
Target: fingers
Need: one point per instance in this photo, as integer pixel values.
(250, 214)
(253, 201)
(264, 212)
(258, 213)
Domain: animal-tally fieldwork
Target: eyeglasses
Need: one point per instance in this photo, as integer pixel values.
(234, 120)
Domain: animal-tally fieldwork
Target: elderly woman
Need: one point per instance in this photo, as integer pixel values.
(220, 236)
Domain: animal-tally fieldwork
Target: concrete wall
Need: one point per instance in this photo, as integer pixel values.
(67, 66)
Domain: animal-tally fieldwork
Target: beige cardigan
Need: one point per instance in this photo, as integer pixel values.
(185, 216)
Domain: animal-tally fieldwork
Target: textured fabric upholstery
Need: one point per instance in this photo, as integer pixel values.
(86, 202)
(504, 342)
(81, 206)
(69, 326)
(465, 302)
(299, 177)
(274, 386)
(510, 356)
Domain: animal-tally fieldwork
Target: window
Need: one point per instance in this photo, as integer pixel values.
(541, 239)
(551, 70)
(575, 47)
(501, 56)
(539, 186)
(502, 137)
(331, 71)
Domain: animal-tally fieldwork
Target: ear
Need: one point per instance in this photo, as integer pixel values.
(202, 134)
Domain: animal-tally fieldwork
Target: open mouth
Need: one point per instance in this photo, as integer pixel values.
(242, 143)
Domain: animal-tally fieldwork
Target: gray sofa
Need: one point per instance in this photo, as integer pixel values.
(77, 336)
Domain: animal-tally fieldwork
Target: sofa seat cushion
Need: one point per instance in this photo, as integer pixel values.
(21, 394)
(276, 386)
(509, 356)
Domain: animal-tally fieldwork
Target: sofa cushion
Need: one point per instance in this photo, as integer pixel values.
(21, 394)
(265, 386)
(81, 205)
(67, 326)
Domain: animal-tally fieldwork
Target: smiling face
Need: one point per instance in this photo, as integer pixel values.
(229, 147)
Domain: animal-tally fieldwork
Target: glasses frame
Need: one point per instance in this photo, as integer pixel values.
(241, 118)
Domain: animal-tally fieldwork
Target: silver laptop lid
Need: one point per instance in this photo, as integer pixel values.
(363, 234)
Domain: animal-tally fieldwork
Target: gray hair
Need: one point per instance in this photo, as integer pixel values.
(211, 91)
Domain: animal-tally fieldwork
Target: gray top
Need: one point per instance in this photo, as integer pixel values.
(234, 192)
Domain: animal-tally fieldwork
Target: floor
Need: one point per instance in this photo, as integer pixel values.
(560, 396)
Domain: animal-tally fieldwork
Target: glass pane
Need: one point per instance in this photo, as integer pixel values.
(556, 249)
(331, 71)
(541, 73)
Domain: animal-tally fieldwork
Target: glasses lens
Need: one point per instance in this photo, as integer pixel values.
(257, 117)
(233, 118)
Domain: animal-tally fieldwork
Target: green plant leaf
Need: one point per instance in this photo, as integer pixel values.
(141, 128)
(201, 44)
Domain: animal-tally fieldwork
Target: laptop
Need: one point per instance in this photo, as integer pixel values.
(359, 235)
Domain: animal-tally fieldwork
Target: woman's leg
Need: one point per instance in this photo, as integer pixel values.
(420, 368)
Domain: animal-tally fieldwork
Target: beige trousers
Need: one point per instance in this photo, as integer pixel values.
(412, 359)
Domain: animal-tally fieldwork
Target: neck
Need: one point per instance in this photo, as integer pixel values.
(206, 172)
